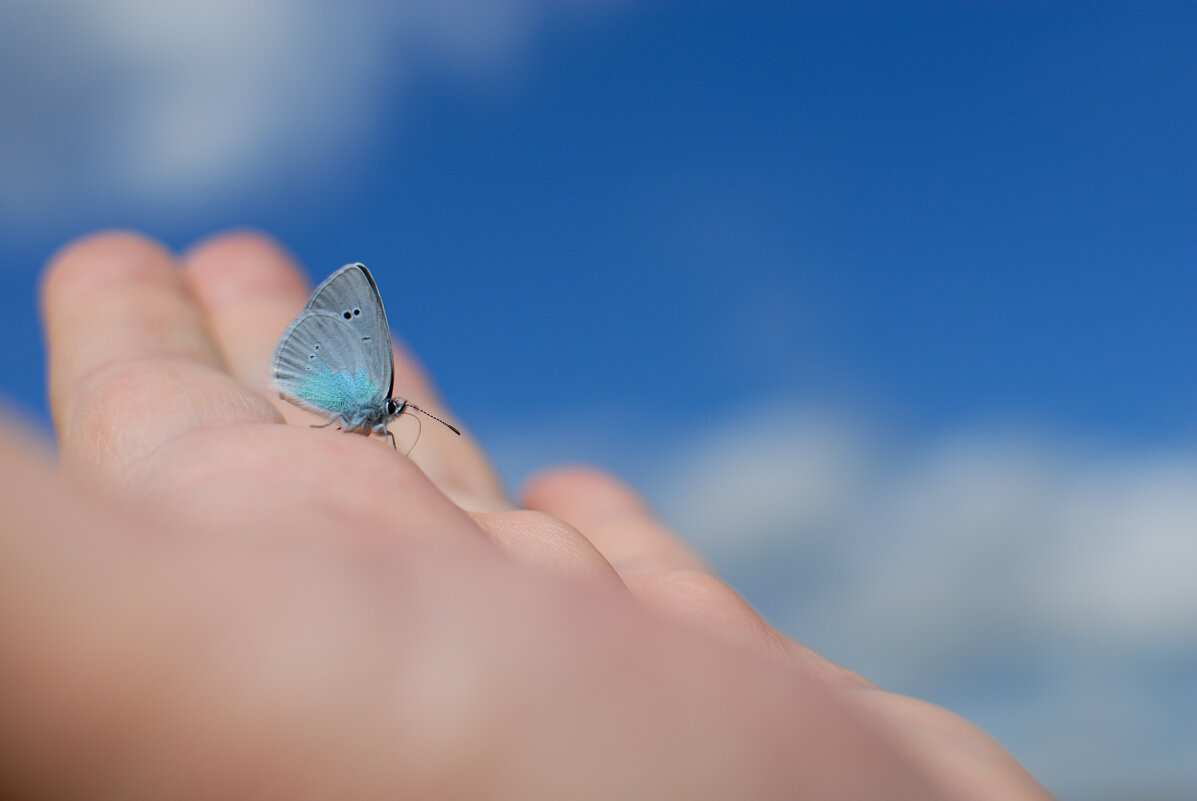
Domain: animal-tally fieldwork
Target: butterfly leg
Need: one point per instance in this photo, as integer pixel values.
(392, 436)
(419, 429)
(326, 425)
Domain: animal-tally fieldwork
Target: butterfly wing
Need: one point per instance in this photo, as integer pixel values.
(351, 295)
(323, 365)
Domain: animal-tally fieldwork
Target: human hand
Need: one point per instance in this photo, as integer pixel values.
(204, 602)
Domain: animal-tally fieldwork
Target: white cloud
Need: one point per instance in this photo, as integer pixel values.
(1010, 531)
(140, 102)
(1042, 587)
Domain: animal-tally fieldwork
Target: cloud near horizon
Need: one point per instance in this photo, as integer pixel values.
(1052, 538)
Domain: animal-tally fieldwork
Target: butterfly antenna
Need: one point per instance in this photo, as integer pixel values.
(434, 417)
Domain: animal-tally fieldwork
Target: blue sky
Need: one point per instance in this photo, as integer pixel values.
(897, 281)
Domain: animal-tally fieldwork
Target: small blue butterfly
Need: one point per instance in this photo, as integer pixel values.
(335, 358)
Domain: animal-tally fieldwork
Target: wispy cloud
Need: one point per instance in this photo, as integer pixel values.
(142, 102)
(1041, 586)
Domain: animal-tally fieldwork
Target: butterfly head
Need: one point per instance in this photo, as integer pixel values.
(395, 407)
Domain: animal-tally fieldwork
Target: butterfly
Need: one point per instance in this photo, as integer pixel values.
(335, 358)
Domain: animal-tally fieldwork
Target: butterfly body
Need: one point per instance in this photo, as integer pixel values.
(335, 358)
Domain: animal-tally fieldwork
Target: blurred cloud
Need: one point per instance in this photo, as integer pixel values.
(140, 102)
(1001, 533)
(1040, 586)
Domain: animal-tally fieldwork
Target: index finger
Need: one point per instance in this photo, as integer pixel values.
(125, 337)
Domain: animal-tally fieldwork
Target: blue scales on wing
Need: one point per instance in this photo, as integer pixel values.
(324, 365)
(338, 392)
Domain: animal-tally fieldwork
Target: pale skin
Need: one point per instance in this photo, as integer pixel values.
(207, 598)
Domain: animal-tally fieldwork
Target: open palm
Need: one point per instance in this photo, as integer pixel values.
(236, 607)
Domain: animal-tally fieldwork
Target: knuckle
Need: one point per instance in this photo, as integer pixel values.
(99, 426)
(694, 593)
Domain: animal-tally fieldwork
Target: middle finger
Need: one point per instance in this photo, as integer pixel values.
(251, 289)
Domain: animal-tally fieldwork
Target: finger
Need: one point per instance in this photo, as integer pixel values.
(251, 290)
(613, 517)
(545, 542)
(660, 570)
(131, 360)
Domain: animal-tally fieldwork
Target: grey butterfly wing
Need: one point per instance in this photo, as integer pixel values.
(351, 294)
(323, 365)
